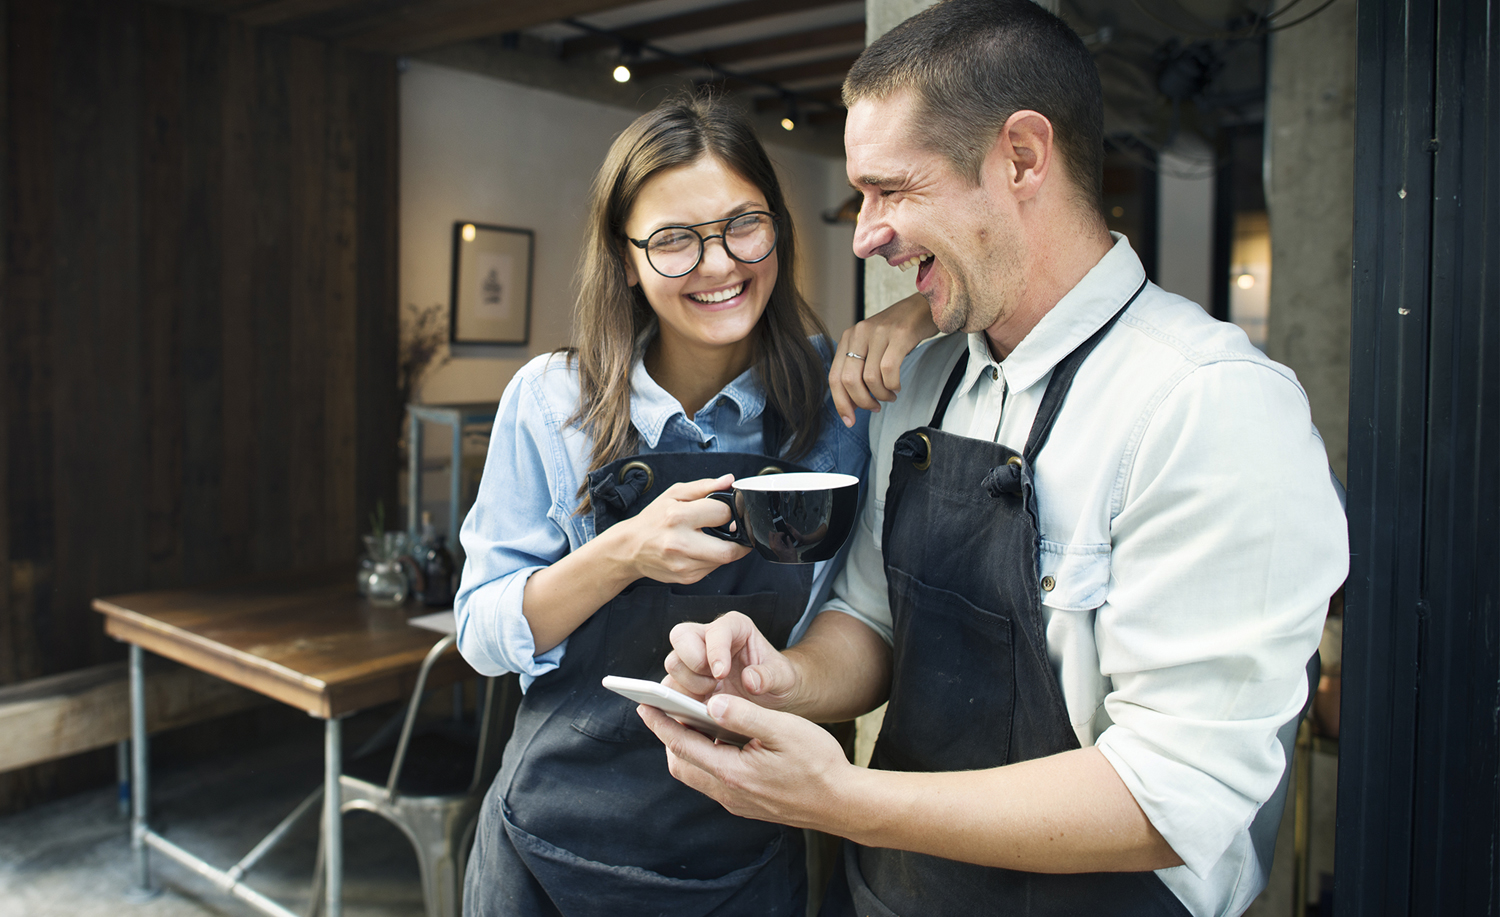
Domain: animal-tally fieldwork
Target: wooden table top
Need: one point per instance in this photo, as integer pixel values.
(308, 640)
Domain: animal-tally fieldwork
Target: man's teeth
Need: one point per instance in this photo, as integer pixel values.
(913, 263)
(720, 296)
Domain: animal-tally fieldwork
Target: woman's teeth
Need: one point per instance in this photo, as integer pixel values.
(914, 263)
(720, 296)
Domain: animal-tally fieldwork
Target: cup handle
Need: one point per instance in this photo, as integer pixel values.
(737, 536)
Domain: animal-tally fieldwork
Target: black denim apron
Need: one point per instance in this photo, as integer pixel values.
(584, 819)
(971, 684)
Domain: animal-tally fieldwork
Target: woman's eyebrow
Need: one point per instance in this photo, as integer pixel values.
(736, 210)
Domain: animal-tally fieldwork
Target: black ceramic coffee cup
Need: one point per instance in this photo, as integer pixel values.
(796, 518)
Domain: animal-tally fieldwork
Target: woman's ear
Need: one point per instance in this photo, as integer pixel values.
(631, 277)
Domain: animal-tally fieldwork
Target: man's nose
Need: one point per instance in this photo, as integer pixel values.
(871, 233)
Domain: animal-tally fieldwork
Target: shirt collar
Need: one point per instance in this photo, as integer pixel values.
(652, 407)
(1100, 294)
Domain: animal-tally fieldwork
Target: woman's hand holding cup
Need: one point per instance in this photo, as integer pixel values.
(665, 541)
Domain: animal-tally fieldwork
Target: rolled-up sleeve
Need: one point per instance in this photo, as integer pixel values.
(1221, 570)
(514, 529)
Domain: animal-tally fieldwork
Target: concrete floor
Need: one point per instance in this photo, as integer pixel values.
(71, 858)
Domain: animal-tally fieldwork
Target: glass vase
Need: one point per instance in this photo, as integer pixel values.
(386, 583)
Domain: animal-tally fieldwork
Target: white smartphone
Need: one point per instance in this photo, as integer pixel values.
(678, 706)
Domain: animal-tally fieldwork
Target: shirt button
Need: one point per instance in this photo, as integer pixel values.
(994, 374)
(1048, 584)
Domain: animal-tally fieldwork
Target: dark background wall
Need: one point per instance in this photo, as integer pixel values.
(197, 317)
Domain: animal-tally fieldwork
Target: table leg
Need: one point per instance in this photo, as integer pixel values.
(138, 773)
(333, 825)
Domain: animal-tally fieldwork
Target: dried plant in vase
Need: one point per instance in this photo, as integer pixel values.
(424, 347)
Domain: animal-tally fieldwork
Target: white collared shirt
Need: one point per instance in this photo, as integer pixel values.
(1192, 536)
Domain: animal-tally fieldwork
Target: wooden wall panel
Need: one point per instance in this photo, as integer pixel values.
(7, 621)
(236, 294)
(201, 179)
(307, 124)
(28, 332)
(340, 299)
(374, 104)
(197, 316)
(94, 305)
(164, 253)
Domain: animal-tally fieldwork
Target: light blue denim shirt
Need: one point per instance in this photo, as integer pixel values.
(525, 518)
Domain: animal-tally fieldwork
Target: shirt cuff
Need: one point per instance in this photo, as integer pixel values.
(1198, 815)
(494, 635)
(883, 628)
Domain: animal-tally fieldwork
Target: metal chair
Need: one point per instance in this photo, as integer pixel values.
(431, 783)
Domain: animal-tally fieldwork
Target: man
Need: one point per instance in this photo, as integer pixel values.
(1099, 540)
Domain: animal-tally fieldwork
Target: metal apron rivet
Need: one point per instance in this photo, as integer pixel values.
(1048, 584)
(650, 475)
(1015, 460)
(925, 463)
(769, 469)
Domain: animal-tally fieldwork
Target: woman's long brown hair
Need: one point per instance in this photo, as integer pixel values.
(612, 317)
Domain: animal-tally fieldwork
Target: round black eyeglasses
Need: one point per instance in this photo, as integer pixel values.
(674, 251)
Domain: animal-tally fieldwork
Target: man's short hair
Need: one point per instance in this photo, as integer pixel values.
(971, 64)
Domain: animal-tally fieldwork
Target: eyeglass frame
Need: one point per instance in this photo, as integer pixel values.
(703, 241)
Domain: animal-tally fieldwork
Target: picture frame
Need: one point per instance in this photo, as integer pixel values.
(491, 284)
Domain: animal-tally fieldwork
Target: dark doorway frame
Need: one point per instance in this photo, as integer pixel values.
(1419, 797)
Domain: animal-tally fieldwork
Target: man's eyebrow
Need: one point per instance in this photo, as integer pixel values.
(872, 181)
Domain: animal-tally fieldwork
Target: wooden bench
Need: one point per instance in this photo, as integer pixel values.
(48, 718)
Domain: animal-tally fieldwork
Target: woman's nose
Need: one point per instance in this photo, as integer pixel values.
(715, 256)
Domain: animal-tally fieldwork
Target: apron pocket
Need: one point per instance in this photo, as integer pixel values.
(866, 904)
(953, 674)
(585, 888)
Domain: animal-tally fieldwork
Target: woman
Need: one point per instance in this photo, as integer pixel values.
(697, 362)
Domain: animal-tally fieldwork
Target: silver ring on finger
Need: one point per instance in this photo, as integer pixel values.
(854, 356)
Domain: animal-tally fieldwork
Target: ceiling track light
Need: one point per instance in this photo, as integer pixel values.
(631, 50)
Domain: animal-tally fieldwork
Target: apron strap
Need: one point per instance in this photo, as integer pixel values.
(1062, 380)
(772, 430)
(954, 378)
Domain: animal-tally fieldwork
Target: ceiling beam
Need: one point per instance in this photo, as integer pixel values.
(278, 12)
(696, 21)
(832, 95)
(765, 47)
(402, 31)
(834, 66)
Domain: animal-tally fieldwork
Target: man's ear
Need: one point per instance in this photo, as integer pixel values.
(1022, 156)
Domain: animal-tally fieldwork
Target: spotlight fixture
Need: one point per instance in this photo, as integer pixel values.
(468, 232)
(1245, 281)
(789, 121)
(630, 52)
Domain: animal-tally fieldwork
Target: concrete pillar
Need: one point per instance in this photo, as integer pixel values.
(1309, 184)
(1310, 200)
(1185, 238)
(883, 283)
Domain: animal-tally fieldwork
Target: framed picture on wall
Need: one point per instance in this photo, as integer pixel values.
(491, 299)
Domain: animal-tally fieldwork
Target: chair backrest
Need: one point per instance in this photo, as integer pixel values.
(501, 699)
(495, 714)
